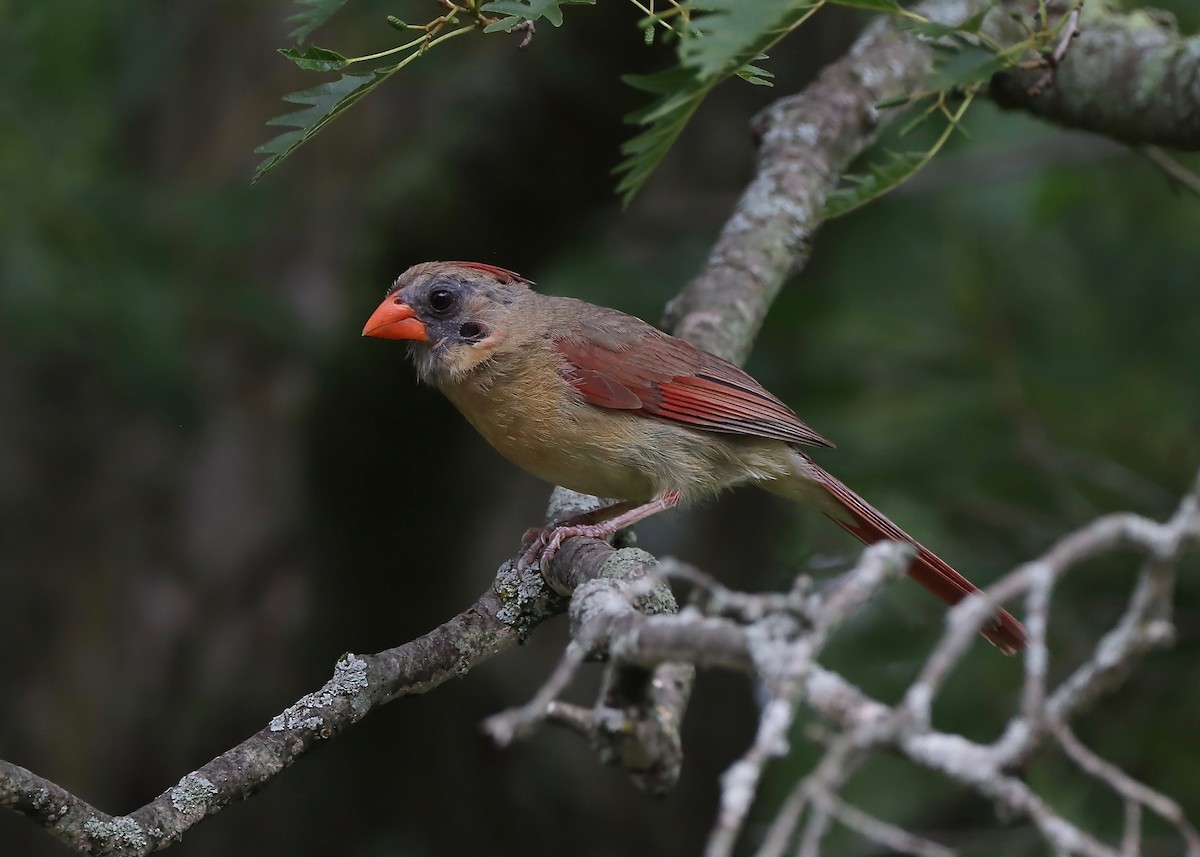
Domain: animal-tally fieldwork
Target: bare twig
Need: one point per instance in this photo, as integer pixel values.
(1069, 32)
(807, 141)
(497, 621)
(1128, 76)
(888, 835)
(1134, 792)
(779, 641)
(1176, 171)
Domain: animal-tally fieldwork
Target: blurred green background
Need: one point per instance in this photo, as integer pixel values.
(210, 486)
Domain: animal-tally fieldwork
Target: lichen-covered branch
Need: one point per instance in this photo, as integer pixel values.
(623, 612)
(778, 638)
(1128, 75)
(806, 142)
(497, 621)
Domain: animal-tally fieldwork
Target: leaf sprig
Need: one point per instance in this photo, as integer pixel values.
(328, 100)
(714, 40)
(967, 60)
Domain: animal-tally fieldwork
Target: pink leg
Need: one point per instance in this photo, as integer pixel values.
(546, 542)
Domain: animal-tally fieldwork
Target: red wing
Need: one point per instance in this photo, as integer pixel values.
(674, 380)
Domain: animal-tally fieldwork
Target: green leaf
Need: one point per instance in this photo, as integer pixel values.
(727, 30)
(895, 101)
(313, 14)
(968, 66)
(899, 167)
(755, 75)
(724, 39)
(974, 24)
(316, 59)
(324, 103)
(664, 120)
(880, 179)
(936, 30)
(890, 6)
(528, 10)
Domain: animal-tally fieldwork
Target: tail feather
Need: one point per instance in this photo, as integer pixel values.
(869, 525)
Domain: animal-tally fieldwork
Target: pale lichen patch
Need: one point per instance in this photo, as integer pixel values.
(349, 677)
(121, 832)
(192, 793)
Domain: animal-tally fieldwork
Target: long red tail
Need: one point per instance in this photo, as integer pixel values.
(869, 525)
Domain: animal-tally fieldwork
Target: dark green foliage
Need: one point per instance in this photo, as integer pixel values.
(312, 59)
(1002, 349)
(312, 15)
(324, 102)
(723, 40)
(517, 11)
(714, 40)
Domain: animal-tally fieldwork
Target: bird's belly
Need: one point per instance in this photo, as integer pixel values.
(623, 455)
(591, 455)
(583, 466)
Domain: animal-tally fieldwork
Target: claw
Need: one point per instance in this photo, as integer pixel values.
(544, 542)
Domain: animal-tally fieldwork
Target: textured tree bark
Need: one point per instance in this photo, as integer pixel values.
(1129, 76)
(230, 472)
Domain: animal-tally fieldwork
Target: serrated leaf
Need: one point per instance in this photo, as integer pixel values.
(755, 75)
(504, 25)
(879, 179)
(316, 59)
(897, 101)
(882, 178)
(313, 14)
(728, 29)
(324, 103)
(975, 23)
(936, 30)
(663, 120)
(724, 40)
(890, 6)
(528, 10)
(965, 68)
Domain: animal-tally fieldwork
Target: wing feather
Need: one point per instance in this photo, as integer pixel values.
(649, 372)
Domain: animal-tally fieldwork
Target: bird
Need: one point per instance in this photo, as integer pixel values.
(603, 403)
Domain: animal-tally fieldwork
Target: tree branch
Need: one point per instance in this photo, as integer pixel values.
(778, 638)
(497, 621)
(807, 140)
(1129, 76)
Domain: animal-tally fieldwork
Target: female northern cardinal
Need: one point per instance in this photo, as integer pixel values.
(601, 402)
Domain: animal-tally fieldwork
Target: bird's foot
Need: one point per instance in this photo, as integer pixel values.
(542, 543)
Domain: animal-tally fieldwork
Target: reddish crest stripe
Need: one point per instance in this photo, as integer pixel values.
(502, 274)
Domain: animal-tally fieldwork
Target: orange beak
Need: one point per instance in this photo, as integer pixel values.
(394, 319)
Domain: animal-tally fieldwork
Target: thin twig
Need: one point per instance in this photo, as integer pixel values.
(1180, 174)
(888, 835)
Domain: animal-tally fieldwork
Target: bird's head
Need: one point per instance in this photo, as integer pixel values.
(455, 314)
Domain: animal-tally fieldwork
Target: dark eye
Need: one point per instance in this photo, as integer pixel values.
(441, 300)
(470, 330)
